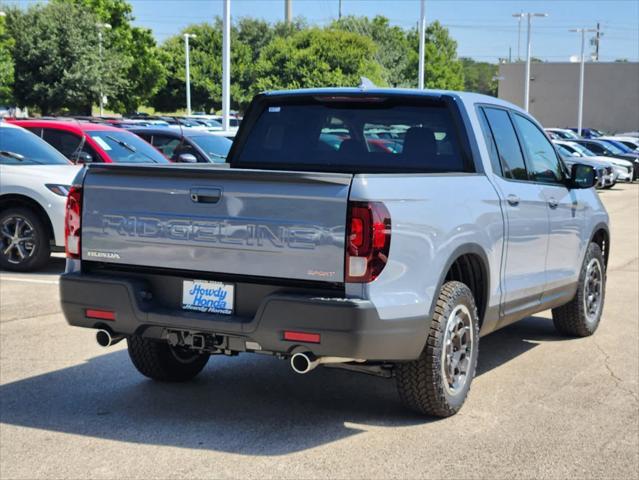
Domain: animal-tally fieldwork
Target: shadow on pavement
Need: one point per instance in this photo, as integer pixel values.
(55, 266)
(249, 405)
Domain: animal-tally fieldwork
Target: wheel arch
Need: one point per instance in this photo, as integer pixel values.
(468, 264)
(10, 200)
(601, 236)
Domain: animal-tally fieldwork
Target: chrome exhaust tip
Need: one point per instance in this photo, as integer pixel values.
(106, 339)
(303, 362)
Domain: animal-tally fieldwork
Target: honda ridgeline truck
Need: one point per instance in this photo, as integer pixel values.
(382, 231)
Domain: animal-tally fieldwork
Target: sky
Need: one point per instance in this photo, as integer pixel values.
(484, 30)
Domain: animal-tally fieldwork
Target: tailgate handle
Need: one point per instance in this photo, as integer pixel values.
(206, 195)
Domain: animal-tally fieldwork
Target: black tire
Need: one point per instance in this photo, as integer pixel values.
(37, 250)
(577, 318)
(422, 384)
(160, 361)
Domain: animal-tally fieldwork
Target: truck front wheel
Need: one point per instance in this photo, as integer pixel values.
(580, 317)
(438, 382)
(160, 361)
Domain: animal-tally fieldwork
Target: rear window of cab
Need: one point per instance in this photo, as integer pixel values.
(353, 134)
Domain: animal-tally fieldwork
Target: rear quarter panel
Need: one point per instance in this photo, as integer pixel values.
(432, 217)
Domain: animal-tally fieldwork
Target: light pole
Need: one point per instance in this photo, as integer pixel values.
(518, 16)
(580, 111)
(101, 26)
(226, 63)
(422, 43)
(529, 16)
(188, 71)
(288, 11)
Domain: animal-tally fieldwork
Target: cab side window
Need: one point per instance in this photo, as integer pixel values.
(511, 157)
(490, 142)
(541, 157)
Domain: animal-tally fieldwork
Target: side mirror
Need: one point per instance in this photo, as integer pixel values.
(187, 158)
(84, 157)
(582, 176)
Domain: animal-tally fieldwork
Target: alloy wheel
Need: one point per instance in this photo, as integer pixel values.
(17, 239)
(457, 353)
(593, 289)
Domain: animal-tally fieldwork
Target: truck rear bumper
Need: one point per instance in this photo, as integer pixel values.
(347, 327)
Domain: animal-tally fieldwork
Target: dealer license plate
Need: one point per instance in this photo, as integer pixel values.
(209, 297)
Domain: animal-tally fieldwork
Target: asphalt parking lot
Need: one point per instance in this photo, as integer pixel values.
(542, 406)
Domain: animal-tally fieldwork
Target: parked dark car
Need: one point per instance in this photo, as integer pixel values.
(620, 146)
(186, 145)
(607, 149)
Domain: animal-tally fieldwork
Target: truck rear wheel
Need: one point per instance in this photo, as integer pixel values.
(160, 361)
(580, 317)
(438, 382)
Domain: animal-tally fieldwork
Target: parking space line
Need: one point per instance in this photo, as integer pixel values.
(29, 280)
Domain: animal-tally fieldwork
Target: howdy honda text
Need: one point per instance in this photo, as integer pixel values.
(206, 231)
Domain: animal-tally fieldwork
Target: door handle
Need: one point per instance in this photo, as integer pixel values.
(513, 200)
(552, 203)
(206, 195)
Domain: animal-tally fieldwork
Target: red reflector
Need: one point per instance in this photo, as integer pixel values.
(100, 314)
(302, 337)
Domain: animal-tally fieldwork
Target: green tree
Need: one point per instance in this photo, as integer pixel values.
(141, 63)
(443, 68)
(248, 38)
(392, 45)
(317, 58)
(206, 70)
(6, 64)
(57, 68)
(254, 33)
(479, 77)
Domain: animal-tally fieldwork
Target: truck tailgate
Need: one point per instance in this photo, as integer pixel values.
(217, 220)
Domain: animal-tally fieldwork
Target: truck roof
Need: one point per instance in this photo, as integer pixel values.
(466, 97)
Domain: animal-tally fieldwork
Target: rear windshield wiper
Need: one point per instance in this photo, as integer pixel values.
(14, 155)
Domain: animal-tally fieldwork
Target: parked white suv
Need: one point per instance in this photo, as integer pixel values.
(34, 182)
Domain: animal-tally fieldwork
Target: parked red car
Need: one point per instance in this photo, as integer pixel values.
(84, 142)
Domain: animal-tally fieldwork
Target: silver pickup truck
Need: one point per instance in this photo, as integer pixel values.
(382, 231)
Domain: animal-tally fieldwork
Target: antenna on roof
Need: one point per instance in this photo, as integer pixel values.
(365, 83)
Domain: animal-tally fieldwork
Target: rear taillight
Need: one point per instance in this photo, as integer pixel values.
(72, 222)
(367, 241)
